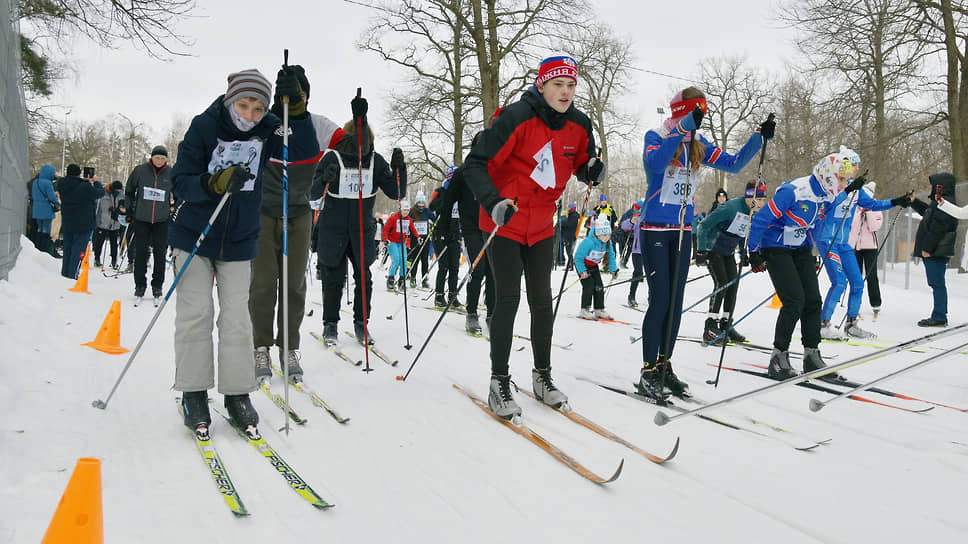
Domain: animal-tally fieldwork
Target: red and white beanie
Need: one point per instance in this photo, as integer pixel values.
(557, 66)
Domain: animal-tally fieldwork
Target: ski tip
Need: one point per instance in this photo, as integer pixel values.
(618, 471)
(99, 404)
(661, 418)
(816, 405)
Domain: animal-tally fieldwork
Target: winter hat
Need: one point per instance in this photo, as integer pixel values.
(404, 204)
(448, 175)
(248, 83)
(421, 198)
(826, 171)
(572, 206)
(602, 198)
(558, 66)
(73, 170)
(159, 150)
(752, 189)
(602, 226)
(637, 205)
(721, 191)
(117, 186)
(850, 155)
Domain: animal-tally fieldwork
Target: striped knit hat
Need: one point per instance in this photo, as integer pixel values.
(248, 83)
(558, 66)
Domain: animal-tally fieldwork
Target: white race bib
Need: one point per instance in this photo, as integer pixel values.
(150, 193)
(794, 236)
(843, 208)
(595, 255)
(454, 214)
(349, 182)
(403, 225)
(247, 152)
(421, 227)
(677, 182)
(739, 225)
(544, 171)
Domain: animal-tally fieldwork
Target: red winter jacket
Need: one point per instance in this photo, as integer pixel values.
(530, 144)
(391, 230)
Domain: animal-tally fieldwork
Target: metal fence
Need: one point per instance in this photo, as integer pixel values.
(14, 165)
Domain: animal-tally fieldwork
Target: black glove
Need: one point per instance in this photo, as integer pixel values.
(693, 120)
(502, 211)
(129, 218)
(396, 160)
(757, 262)
(114, 214)
(595, 168)
(744, 260)
(768, 128)
(287, 84)
(359, 107)
(904, 200)
(856, 185)
(228, 179)
(702, 258)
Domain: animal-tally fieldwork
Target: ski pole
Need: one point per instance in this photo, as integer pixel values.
(103, 404)
(581, 219)
(746, 236)
(661, 418)
(285, 243)
(450, 301)
(717, 290)
(359, 162)
(423, 247)
(406, 315)
(816, 405)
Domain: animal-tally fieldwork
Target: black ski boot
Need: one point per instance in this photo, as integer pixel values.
(472, 324)
(242, 412)
(330, 333)
(413, 282)
(391, 284)
(358, 331)
(780, 368)
(197, 416)
(732, 334)
(401, 283)
(712, 332)
(439, 301)
(678, 387)
(454, 301)
(813, 361)
(650, 383)
(632, 303)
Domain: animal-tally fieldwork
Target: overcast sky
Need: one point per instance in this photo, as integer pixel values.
(230, 35)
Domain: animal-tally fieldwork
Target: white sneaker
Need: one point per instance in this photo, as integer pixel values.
(602, 314)
(852, 329)
(829, 332)
(586, 313)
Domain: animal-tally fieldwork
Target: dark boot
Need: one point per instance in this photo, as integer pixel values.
(454, 301)
(678, 387)
(330, 333)
(813, 361)
(195, 408)
(780, 368)
(712, 332)
(650, 384)
(391, 284)
(241, 411)
(358, 330)
(732, 334)
(439, 300)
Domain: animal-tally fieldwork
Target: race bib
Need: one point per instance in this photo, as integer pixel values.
(740, 224)
(150, 193)
(247, 152)
(454, 214)
(349, 183)
(544, 171)
(677, 186)
(421, 227)
(794, 236)
(843, 208)
(595, 256)
(403, 225)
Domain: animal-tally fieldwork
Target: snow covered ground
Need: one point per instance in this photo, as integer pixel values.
(420, 463)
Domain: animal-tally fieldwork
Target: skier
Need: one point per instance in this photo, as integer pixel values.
(337, 175)
(672, 156)
(632, 225)
(423, 220)
(934, 242)
(721, 197)
(148, 196)
(780, 241)
(863, 238)
(594, 251)
(832, 242)
(719, 235)
(528, 154)
(224, 151)
(308, 134)
(399, 232)
(107, 223)
(446, 235)
(623, 230)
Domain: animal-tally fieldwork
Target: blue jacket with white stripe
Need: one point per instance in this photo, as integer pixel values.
(792, 217)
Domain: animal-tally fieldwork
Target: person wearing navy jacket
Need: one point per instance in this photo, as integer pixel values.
(782, 240)
(518, 170)
(672, 156)
(225, 150)
(79, 198)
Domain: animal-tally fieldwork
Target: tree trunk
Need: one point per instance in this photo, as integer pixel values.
(957, 103)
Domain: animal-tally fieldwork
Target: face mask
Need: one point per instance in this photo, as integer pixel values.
(239, 122)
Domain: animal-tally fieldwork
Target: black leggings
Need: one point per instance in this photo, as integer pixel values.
(508, 260)
(794, 276)
(722, 268)
(334, 279)
(473, 241)
(592, 288)
(448, 266)
(867, 260)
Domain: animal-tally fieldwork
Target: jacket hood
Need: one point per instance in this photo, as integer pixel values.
(551, 117)
(227, 129)
(947, 183)
(47, 172)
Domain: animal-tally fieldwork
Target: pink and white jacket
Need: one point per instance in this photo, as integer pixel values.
(863, 231)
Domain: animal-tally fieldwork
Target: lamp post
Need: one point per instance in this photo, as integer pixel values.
(131, 127)
(64, 146)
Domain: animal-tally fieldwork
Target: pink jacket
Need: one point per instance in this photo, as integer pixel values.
(863, 231)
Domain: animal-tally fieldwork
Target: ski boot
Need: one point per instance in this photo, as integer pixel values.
(139, 295)
(545, 390)
(358, 331)
(932, 322)
(472, 324)
(157, 295)
(401, 283)
(292, 361)
(439, 301)
(391, 284)
(633, 304)
(500, 400)
(650, 383)
(413, 282)
(780, 368)
(97, 263)
(711, 333)
(732, 335)
(586, 313)
(454, 301)
(263, 365)
(602, 314)
(425, 284)
(877, 310)
(243, 414)
(828, 332)
(197, 416)
(330, 333)
(853, 329)
(813, 361)
(677, 387)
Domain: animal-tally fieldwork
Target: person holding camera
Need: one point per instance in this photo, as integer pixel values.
(79, 198)
(148, 195)
(222, 157)
(108, 226)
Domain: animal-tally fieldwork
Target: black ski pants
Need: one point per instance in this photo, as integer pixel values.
(794, 276)
(100, 235)
(420, 257)
(867, 261)
(508, 260)
(474, 241)
(448, 266)
(154, 235)
(334, 279)
(637, 274)
(722, 268)
(593, 289)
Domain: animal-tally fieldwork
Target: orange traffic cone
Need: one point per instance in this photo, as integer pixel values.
(108, 339)
(80, 286)
(775, 303)
(78, 519)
